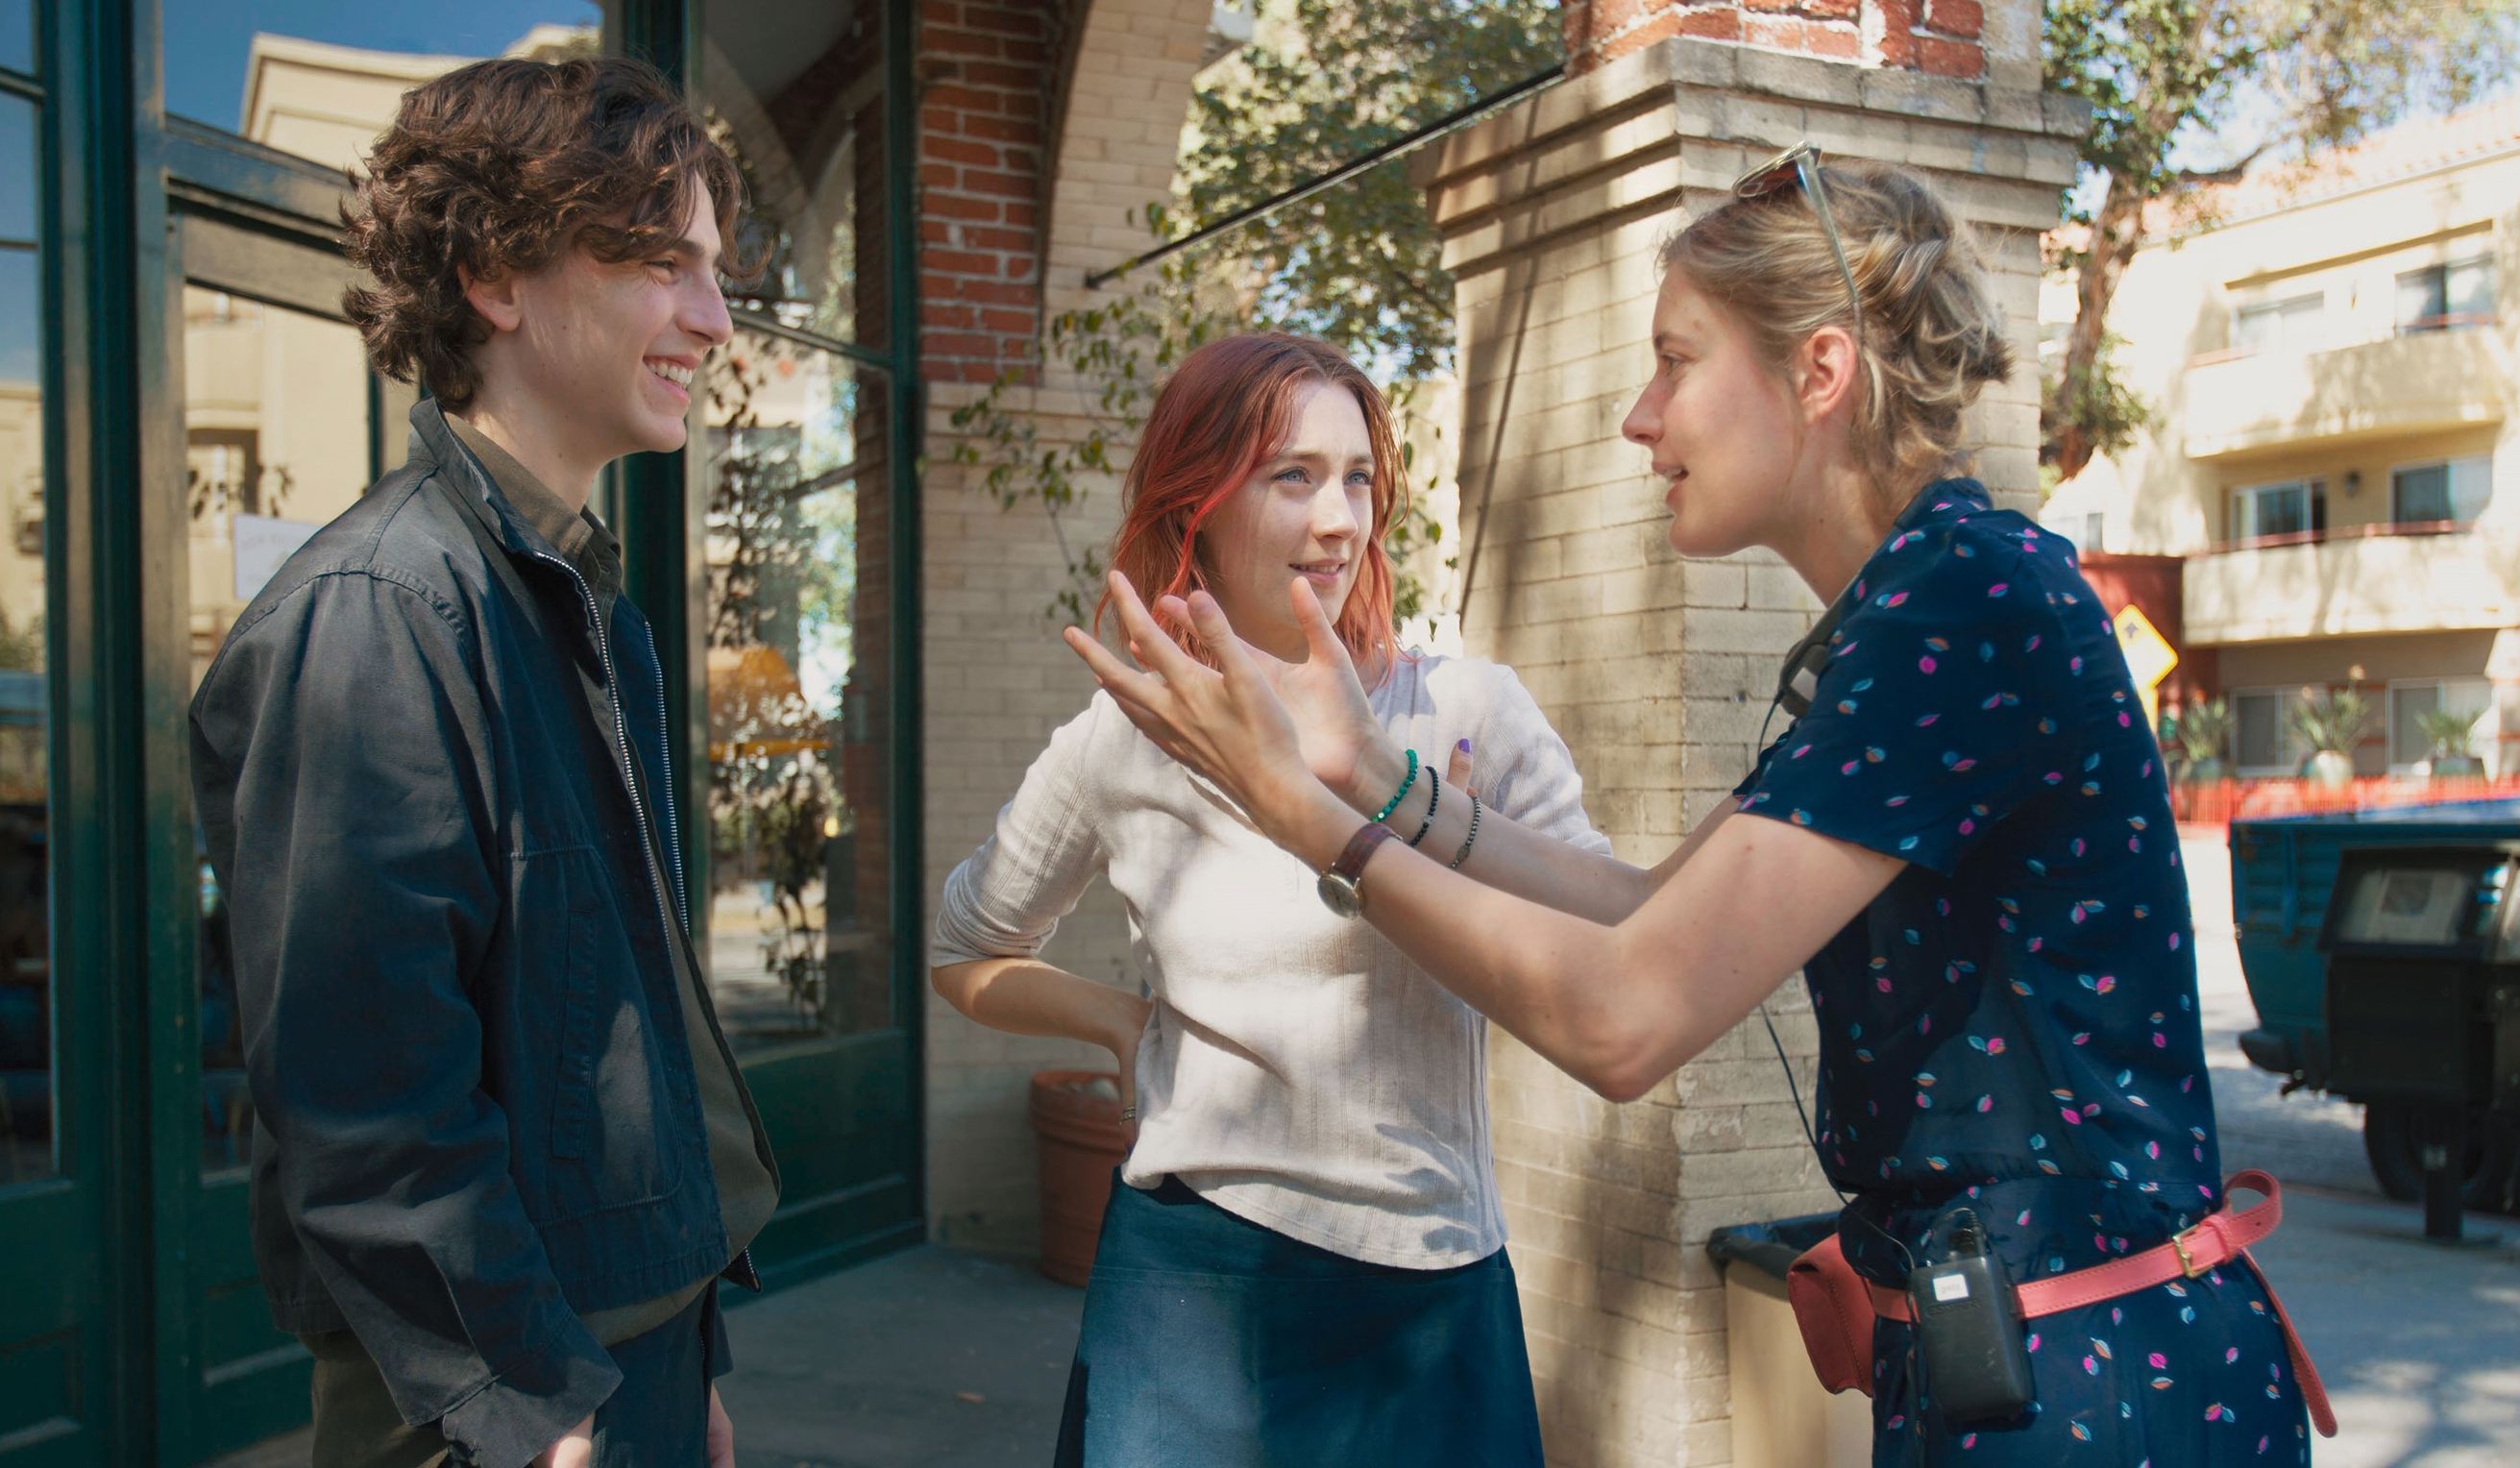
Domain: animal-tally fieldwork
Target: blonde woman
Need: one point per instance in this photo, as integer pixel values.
(1963, 839)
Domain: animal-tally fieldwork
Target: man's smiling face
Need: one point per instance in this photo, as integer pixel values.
(610, 348)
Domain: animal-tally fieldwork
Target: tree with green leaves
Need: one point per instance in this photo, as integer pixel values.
(1358, 264)
(1326, 82)
(2164, 75)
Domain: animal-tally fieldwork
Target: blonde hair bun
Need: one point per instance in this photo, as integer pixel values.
(1932, 333)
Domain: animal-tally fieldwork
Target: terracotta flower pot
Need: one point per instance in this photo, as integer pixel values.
(1076, 1119)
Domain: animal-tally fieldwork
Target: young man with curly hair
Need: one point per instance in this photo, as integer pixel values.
(503, 1154)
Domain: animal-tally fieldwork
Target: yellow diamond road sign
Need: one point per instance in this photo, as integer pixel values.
(2148, 654)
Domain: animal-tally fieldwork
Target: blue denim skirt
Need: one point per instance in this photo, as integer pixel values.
(1211, 1342)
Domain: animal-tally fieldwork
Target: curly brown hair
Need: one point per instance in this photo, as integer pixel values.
(501, 165)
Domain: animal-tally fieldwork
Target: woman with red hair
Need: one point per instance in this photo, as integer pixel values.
(1303, 1254)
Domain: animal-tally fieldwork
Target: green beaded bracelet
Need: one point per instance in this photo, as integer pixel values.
(1398, 795)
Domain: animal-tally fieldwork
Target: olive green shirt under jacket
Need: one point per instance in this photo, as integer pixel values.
(746, 1191)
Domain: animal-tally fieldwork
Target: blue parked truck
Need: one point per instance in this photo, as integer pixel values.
(2284, 871)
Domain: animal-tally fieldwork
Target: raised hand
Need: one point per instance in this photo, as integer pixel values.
(1343, 744)
(1227, 723)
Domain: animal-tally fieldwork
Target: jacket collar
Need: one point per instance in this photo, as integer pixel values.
(433, 444)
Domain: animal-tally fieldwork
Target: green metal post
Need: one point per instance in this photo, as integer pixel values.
(909, 787)
(101, 1020)
(664, 504)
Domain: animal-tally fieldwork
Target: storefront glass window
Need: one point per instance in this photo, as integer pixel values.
(25, 925)
(277, 438)
(321, 80)
(791, 91)
(799, 914)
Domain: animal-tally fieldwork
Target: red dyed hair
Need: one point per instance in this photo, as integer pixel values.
(1229, 407)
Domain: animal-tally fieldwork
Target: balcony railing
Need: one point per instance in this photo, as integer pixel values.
(2348, 532)
(2441, 372)
(2354, 582)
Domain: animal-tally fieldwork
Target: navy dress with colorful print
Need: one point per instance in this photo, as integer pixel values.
(2011, 1026)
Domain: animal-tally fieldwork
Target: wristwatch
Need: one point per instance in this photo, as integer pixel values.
(1342, 886)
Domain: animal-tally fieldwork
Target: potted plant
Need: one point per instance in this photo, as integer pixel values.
(2332, 722)
(2448, 730)
(2203, 731)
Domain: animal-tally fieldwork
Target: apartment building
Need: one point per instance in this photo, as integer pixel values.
(2335, 463)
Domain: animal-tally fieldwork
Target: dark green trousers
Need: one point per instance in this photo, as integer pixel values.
(656, 1418)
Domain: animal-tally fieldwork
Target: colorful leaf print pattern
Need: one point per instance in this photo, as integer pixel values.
(2011, 1025)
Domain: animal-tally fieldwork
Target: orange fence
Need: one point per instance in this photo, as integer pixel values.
(2221, 801)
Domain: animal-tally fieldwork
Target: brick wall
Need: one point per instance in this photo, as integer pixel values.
(989, 77)
(1043, 126)
(1941, 37)
(1657, 669)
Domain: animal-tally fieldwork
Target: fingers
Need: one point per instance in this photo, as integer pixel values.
(1318, 635)
(1457, 771)
(1209, 620)
(1156, 652)
(1108, 668)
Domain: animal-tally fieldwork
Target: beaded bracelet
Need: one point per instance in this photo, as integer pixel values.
(1394, 802)
(1435, 798)
(1464, 854)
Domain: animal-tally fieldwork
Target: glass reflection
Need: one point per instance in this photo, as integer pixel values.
(25, 928)
(276, 443)
(798, 897)
(788, 90)
(321, 80)
(17, 35)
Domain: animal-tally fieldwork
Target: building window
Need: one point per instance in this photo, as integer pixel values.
(2095, 533)
(27, 641)
(2438, 297)
(2432, 494)
(2266, 742)
(2295, 506)
(2412, 698)
(2274, 325)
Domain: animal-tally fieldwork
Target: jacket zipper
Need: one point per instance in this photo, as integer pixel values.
(741, 1267)
(673, 828)
(621, 733)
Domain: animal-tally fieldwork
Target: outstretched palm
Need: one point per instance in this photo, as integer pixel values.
(1335, 725)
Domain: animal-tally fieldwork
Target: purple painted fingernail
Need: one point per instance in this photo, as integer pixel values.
(1464, 745)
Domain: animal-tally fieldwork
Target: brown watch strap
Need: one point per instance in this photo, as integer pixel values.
(1352, 856)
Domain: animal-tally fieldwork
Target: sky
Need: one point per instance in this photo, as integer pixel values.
(17, 284)
(207, 41)
(18, 34)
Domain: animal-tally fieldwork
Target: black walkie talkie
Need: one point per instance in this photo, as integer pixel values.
(1969, 1332)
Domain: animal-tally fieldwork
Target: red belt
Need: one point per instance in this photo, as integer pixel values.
(2218, 1239)
(1829, 1299)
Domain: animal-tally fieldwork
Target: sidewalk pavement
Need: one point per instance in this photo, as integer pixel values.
(927, 1358)
(2419, 1343)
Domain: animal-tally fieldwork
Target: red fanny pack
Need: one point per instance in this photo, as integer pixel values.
(1836, 1307)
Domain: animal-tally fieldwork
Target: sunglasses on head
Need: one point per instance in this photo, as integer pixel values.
(1800, 164)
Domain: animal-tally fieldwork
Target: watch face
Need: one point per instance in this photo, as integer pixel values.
(1341, 895)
